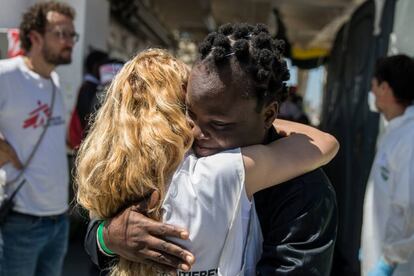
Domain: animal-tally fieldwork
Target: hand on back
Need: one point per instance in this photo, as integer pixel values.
(138, 238)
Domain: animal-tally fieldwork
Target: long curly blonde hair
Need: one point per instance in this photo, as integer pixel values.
(138, 139)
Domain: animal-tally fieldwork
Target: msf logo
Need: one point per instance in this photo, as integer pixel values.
(38, 117)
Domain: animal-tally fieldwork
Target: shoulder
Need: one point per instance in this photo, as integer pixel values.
(317, 188)
(303, 206)
(307, 190)
(220, 172)
(313, 182)
(9, 74)
(218, 178)
(405, 141)
(9, 66)
(401, 146)
(222, 163)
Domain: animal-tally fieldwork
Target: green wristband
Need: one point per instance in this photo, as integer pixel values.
(102, 241)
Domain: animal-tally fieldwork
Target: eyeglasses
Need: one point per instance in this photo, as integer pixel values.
(65, 35)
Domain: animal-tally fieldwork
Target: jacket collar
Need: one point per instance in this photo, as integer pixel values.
(398, 121)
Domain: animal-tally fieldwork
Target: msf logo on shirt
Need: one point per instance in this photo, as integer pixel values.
(38, 117)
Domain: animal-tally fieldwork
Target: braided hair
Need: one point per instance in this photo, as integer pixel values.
(259, 57)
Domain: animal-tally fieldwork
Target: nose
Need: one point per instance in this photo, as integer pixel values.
(69, 43)
(197, 132)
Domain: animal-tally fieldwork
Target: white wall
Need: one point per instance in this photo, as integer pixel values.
(11, 12)
(402, 39)
(97, 24)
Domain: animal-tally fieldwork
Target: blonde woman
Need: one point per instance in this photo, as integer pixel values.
(140, 142)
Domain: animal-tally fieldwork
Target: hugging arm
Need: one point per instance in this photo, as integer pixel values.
(303, 150)
(91, 247)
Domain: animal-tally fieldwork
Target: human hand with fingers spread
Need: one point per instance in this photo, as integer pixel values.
(138, 238)
(7, 154)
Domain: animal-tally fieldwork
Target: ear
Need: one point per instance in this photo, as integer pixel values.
(270, 114)
(386, 86)
(387, 90)
(36, 38)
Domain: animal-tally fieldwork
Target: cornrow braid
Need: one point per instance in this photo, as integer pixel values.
(259, 55)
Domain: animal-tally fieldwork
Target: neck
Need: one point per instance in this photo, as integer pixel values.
(271, 136)
(394, 111)
(38, 64)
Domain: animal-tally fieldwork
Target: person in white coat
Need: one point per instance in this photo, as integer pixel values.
(387, 241)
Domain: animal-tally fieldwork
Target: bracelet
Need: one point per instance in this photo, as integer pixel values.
(101, 242)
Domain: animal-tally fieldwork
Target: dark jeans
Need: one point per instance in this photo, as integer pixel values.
(33, 246)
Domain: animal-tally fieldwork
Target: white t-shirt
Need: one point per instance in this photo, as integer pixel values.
(207, 196)
(25, 101)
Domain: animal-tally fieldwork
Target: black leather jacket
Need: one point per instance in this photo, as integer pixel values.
(299, 223)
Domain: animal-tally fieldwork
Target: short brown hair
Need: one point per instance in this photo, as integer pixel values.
(35, 19)
(398, 71)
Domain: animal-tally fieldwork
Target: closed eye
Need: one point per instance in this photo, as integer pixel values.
(189, 113)
(221, 125)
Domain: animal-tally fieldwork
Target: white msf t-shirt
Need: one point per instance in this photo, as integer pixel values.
(207, 196)
(25, 102)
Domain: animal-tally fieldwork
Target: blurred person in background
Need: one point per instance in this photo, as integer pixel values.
(292, 108)
(107, 72)
(86, 97)
(33, 150)
(387, 240)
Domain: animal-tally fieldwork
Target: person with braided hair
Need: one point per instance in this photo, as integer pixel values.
(232, 101)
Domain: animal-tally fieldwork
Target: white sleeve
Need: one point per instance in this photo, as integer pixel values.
(399, 232)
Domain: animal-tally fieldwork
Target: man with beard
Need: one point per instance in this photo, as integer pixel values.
(33, 150)
(232, 96)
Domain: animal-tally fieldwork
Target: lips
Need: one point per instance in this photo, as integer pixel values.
(202, 150)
